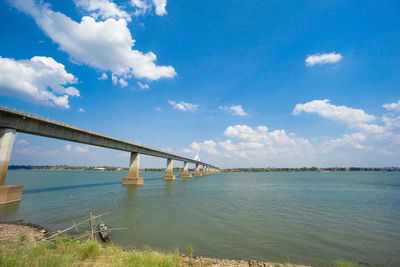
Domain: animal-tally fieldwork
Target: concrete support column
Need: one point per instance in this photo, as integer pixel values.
(185, 173)
(197, 170)
(133, 174)
(8, 193)
(204, 170)
(169, 172)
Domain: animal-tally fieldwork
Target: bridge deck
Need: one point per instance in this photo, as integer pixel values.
(33, 124)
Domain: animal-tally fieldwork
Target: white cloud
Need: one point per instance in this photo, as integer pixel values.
(40, 79)
(392, 123)
(353, 140)
(144, 6)
(227, 145)
(103, 77)
(105, 45)
(81, 110)
(160, 7)
(208, 146)
(68, 147)
(258, 143)
(102, 9)
(184, 106)
(117, 80)
(235, 110)
(323, 59)
(23, 142)
(81, 149)
(261, 137)
(337, 113)
(122, 82)
(369, 128)
(392, 106)
(143, 86)
(372, 144)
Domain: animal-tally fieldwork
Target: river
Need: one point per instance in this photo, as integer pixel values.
(310, 218)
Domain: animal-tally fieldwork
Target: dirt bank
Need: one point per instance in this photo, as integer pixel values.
(16, 232)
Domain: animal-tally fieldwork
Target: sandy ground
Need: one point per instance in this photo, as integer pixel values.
(15, 232)
(203, 261)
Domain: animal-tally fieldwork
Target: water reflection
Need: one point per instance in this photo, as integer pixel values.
(10, 209)
(131, 192)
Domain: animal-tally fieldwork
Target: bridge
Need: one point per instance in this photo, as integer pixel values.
(12, 121)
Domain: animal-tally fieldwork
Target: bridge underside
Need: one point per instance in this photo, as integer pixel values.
(12, 121)
(13, 193)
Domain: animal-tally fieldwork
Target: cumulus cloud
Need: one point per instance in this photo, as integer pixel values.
(235, 110)
(81, 110)
(337, 113)
(369, 128)
(227, 145)
(81, 149)
(261, 137)
(369, 144)
(254, 143)
(40, 79)
(102, 9)
(392, 106)
(143, 86)
(105, 45)
(184, 106)
(312, 60)
(144, 6)
(353, 140)
(103, 77)
(160, 7)
(208, 146)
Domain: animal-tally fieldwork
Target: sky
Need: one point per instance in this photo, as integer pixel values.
(242, 83)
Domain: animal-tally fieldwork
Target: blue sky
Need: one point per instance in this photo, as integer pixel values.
(244, 83)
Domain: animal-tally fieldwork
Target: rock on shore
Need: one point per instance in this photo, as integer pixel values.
(203, 261)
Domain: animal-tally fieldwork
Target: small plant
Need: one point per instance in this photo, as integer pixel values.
(22, 237)
(91, 248)
(190, 250)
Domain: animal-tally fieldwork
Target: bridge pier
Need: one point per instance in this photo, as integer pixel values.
(203, 171)
(8, 193)
(185, 173)
(169, 172)
(133, 174)
(197, 170)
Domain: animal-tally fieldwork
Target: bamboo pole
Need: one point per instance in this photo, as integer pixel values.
(75, 225)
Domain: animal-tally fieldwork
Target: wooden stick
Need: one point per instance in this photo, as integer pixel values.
(69, 228)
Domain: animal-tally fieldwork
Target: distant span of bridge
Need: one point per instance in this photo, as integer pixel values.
(12, 121)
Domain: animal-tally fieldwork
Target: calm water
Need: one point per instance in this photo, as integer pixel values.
(312, 218)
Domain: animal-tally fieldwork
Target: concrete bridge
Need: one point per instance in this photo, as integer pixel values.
(12, 121)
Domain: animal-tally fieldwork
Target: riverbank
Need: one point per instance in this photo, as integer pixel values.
(23, 245)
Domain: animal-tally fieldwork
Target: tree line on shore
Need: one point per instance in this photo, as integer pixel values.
(253, 169)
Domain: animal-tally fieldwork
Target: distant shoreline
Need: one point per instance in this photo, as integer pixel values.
(252, 170)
